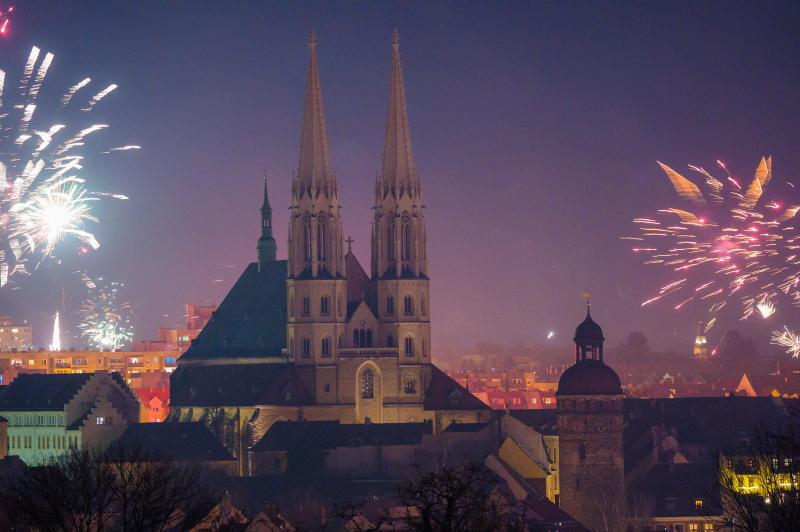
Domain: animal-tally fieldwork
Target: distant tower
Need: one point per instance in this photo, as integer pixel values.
(267, 248)
(399, 258)
(316, 286)
(590, 427)
(700, 349)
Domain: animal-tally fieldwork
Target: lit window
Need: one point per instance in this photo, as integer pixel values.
(698, 504)
(367, 384)
(694, 527)
(101, 420)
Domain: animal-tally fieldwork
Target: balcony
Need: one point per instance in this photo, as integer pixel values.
(374, 352)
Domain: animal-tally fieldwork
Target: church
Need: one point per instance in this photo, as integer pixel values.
(315, 337)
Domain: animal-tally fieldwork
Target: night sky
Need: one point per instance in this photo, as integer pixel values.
(536, 129)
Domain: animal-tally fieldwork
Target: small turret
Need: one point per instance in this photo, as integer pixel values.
(267, 248)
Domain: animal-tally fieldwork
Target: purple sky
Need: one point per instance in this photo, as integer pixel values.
(536, 127)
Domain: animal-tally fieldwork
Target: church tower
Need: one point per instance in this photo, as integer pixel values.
(590, 430)
(316, 287)
(399, 259)
(267, 248)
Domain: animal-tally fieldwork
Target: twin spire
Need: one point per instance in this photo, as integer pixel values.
(314, 169)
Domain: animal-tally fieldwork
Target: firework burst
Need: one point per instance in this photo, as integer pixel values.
(787, 339)
(105, 315)
(729, 245)
(44, 196)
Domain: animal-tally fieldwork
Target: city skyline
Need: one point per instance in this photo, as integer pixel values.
(519, 225)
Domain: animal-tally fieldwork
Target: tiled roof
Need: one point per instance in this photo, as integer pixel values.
(674, 488)
(444, 393)
(37, 391)
(466, 427)
(178, 441)
(288, 435)
(239, 385)
(250, 321)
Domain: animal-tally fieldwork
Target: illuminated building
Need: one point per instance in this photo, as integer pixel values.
(126, 363)
(315, 337)
(51, 414)
(700, 349)
(180, 338)
(14, 336)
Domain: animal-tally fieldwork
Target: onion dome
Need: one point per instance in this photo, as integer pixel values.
(589, 377)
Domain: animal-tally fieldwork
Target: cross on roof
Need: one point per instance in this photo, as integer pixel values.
(349, 244)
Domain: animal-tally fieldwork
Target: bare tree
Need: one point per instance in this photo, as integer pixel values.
(120, 489)
(759, 485)
(458, 499)
(71, 493)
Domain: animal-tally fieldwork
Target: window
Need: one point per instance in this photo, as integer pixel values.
(409, 347)
(321, 240)
(356, 342)
(405, 237)
(307, 237)
(391, 238)
(410, 384)
(422, 307)
(101, 420)
(327, 387)
(326, 347)
(698, 504)
(367, 384)
(390, 306)
(306, 348)
(390, 341)
(324, 306)
(408, 306)
(708, 527)
(694, 527)
(306, 306)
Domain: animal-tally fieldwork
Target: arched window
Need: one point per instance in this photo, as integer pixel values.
(390, 240)
(362, 338)
(326, 347)
(306, 306)
(424, 351)
(325, 305)
(410, 384)
(409, 347)
(355, 339)
(321, 240)
(306, 348)
(405, 237)
(390, 306)
(307, 238)
(408, 306)
(369, 337)
(367, 384)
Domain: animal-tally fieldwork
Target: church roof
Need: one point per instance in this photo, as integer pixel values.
(250, 321)
(289, 435)
(238, 385)
(444, 393)
(589, 377)
(176, 441)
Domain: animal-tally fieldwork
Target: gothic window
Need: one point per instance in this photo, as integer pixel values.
(405, 237)
(390, 240)
(307, 237)
(409, 347)
(367, 384)
(390, 341)
(325, 306)
(306, 306)
(369, 337)
(408, 306)
(321, 240)
(326, 347)
(306, 348)
(410, 384)
(390, 306)
(356, 343)
(424, 352)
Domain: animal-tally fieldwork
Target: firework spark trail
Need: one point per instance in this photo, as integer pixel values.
(105, 314)
(733, 242)
(45, 197)
(787, 339)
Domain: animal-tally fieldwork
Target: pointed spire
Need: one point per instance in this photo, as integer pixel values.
(265, 206)
(313, 168)
(399, 171)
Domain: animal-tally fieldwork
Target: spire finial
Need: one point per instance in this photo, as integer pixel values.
(588, 298)
(349, 244)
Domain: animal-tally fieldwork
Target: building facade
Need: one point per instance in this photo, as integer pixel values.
(51, 414)
(14, 336)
